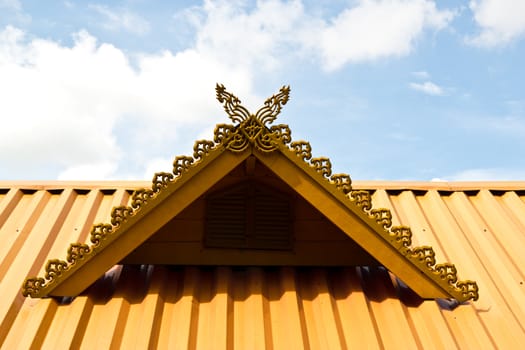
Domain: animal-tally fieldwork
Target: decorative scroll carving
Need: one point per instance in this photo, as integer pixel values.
(462, 290)
(282, 133)
(362, 199)
(425, 255)
(181, 165)
(342, 182)
(302, 150)
(322, 165)
(402, 235)
(161, 180)
(237, 142)
(266, 142)
(77, 251)
(399, 236)
(120, 214)
(252, 130)
(222, 133)
(447, 272)
(32, 286)
(383, 217)
(467, 289)
(99, 233)
(54, 268)
(141, 196)
(201, 149)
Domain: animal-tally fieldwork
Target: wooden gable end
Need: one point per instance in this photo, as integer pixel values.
(247, 145)
(303, 236)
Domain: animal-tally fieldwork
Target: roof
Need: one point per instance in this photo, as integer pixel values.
(479, 226)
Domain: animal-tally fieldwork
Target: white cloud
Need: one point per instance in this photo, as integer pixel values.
(377, 29)
(77, 109)
(61, 105)
(427, 87)
(367, 31)
(421, 75)
(122, 19)
(500, 22)
(52, 104)
(89, 171)
(261, 36)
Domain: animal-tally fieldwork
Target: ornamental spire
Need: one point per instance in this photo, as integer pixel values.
(265, 115)
(252, 129)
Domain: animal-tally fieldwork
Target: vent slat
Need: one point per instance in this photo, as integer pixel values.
(249, 216)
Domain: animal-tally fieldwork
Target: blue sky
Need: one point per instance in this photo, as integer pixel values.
(388, 90)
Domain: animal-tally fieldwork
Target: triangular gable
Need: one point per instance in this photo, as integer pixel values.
(351, 211)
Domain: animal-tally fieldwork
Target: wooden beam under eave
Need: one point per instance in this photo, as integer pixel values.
(170, 202)
(332, 205)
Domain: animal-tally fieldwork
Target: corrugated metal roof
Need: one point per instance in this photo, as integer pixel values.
(478, 226)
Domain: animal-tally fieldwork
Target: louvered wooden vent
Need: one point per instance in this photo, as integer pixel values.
(249, 216)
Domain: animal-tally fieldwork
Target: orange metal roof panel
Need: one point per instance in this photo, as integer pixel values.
(478, 226)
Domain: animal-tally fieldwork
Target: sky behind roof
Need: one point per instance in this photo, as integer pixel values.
(395, 90)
